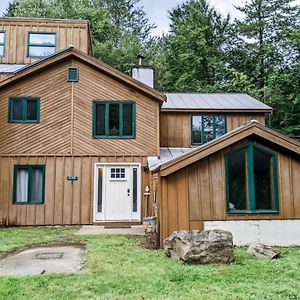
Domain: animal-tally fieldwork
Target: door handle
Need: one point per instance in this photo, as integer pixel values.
(128, 192)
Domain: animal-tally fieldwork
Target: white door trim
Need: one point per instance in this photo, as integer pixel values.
(100, 217)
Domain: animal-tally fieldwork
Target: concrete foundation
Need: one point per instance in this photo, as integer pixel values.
(269, 232)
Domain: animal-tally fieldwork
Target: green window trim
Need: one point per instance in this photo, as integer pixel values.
(24, 109)
(72, 74)
(121, 135)
(40, 44)
(202, 127)
(251, 183)
(2, 44)
(29, 168)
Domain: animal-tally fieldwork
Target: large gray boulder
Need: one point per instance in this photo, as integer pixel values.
(200, 247)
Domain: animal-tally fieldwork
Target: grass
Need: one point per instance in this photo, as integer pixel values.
(117, 267)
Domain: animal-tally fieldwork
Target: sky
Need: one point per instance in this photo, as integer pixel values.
(157, 10)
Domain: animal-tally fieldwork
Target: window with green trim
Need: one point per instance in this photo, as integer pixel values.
(113, 119)
(2, 43)
(29, 184)
(41, 44)
(251, 180)
(24, 109)
(207, 127)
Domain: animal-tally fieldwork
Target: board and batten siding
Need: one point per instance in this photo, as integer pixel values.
(66, 203)
(65, 125)
(197, 193)
(16, 30)
(175, 127)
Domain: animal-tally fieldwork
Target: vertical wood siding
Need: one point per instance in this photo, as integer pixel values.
(175, 127)
(16, 31)
(65, 202)
(197, 193)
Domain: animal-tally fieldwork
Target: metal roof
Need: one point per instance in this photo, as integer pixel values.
(213, 101)
(166, 154)
(10, 68)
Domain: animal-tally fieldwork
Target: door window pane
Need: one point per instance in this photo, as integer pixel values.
(263, 180)
(237, 180)
(134, 190)
(100, 183)
(114, 119)
(127, 119)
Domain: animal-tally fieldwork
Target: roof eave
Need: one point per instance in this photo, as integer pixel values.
(227, 110)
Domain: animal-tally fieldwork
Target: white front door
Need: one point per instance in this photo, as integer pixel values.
(117, 192)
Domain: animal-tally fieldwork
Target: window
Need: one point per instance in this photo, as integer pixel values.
(207, 127)
(2, 43)
(117, 173)
(72, 74)
(41, 44)
(29, 184)
(24, 109)
(251, 180)
(113, 119)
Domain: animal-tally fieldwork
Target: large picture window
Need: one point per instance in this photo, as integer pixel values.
(207, 127)
(24, 109)
(41, 44)
(29, 184)
(252, 185)
(113, 119)
(2, 43)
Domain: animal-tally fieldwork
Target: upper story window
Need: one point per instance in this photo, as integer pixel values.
(2, 43)
(29, 184)
(113, 119)
(251, 180)
(24, 109)
(207, 127)
(41, 44)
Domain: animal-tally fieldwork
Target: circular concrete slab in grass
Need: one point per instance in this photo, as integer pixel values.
(43, 260)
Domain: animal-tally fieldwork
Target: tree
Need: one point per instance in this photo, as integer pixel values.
(119, 28)
(263, 36)
(193, 55)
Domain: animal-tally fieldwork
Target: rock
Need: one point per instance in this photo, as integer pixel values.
(263, 251)
(200, 247)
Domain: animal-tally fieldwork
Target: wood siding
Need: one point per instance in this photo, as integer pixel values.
(175, 127)
(197, 193)
(4, 76)
(65, 202)
(74, 33)
(66, 115)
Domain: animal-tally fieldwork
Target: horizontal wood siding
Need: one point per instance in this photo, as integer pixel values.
(201, 188)
(65, 202)
(76, 34)
(96, 86)
(175, 127)
(4, 76)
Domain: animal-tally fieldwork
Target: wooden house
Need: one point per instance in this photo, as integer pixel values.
(82, 143)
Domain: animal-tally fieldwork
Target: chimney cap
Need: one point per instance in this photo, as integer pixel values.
(141, 56)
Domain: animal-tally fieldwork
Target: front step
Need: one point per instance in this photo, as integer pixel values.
(109, 225)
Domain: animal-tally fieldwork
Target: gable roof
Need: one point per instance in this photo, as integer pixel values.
(213, 102)
(72, 52)
(236, 135)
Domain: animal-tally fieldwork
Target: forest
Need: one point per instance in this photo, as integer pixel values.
(204, 50)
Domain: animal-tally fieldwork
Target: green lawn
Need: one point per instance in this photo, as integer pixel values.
(117, 267)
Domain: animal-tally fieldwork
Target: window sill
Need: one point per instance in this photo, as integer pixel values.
(248, 212)
(28, 203)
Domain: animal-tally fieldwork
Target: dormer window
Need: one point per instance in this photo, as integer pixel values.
(41, 44)
(2, 43)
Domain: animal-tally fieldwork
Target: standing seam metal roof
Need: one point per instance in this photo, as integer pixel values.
(226, 101)
(10, 68)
